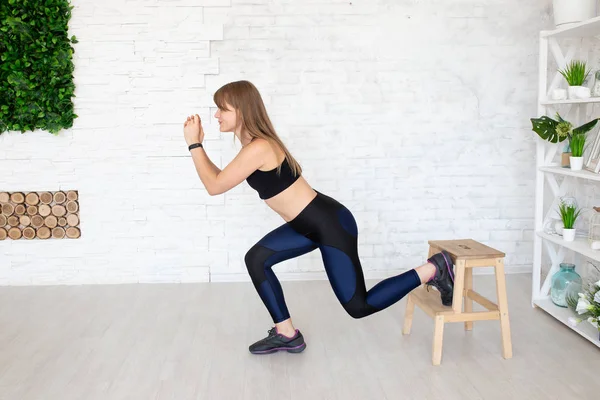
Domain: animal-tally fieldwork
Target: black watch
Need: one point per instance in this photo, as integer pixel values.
(194, 145)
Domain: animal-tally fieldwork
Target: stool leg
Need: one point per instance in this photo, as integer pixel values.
(438, 337)
(468, 300)
(431, 252)
(408, 314)
(459, 284)
(503, 309)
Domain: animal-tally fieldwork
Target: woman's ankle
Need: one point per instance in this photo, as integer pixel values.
(426, 272)
(286, 328)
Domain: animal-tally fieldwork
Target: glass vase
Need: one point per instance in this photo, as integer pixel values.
(561, 281)
(596, 87)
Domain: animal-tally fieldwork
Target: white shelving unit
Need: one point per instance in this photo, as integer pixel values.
(549, 171)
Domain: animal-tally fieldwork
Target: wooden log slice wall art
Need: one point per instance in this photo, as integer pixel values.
(39, 215)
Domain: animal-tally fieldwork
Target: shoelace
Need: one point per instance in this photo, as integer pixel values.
(271, 333)
(429, 284)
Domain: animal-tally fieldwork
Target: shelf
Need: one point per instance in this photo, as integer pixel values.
(588, 28)
(579, 245)
(583, 174)
(590, 100)
(584, 328)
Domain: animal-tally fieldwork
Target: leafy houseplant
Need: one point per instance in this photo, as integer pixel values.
(557, 130)
(577, 145)
(36, 67)
(568, 214)
(575, 74)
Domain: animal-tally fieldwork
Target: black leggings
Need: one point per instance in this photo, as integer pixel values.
(328, 225)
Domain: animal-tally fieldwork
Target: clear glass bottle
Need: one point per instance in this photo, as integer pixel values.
(596, 87)
(560, 283)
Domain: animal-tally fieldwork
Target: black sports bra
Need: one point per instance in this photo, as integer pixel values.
(269, 184)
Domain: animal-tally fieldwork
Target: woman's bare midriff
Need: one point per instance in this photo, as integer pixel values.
(289, 203)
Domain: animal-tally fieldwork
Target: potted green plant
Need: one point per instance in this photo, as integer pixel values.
(568, 214)
(575, 74)
(577, 144)
(559, 129)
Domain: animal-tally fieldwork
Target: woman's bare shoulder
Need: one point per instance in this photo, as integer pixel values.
(266, 146)
(260, 143)
(271, 153)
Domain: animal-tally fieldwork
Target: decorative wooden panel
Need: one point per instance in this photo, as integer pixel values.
(39, 215)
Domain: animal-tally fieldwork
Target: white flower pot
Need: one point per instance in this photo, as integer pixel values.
(568, 12)
(579, 92)
(559, 94)
(568, 235)
(576, 163)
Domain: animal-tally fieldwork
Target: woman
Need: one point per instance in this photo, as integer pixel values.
(311, 220)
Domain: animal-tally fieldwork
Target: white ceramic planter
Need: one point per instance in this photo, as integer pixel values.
(568, 235)
(579, 92)
(568, 12)
(559, 94)
(576, 163)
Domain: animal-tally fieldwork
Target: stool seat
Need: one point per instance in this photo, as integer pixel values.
(466, 249)
(466, 254)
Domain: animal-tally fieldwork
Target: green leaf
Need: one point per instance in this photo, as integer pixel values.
(569, 214)
(586, 127)
(575, 73)
(545, 127)
(577, 144)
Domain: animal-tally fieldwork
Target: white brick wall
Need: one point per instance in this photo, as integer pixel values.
(414, 114)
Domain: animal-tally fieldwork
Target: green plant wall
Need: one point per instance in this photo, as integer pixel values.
(36, 66)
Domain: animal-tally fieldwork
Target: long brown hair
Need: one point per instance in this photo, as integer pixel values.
(244, 97)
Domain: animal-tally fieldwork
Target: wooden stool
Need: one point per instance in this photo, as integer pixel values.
(466, 254)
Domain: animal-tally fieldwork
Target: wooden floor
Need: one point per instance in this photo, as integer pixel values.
(190, 342)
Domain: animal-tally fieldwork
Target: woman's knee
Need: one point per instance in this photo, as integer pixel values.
(255, 259)
(358, 307)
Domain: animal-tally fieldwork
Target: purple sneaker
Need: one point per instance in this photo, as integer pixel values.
(278, 342)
